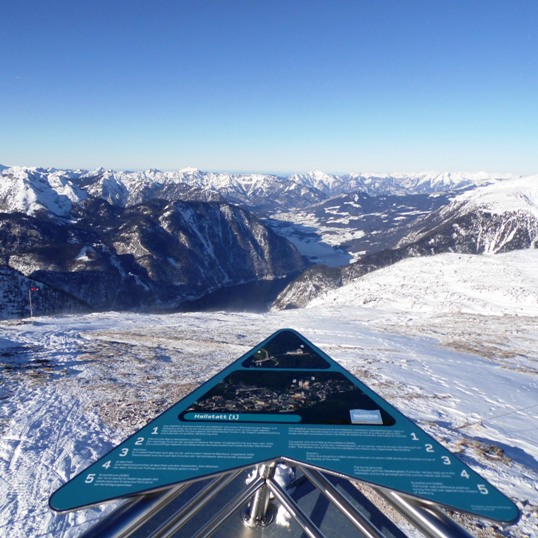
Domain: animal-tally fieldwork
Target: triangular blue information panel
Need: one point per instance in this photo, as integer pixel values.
(286, 398)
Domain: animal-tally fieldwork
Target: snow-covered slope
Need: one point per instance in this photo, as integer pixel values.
(497, 285)
(490, 219)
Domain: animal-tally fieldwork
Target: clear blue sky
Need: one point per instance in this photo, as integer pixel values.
(270, 85)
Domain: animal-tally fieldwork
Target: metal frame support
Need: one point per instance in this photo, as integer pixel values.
(224, 513)
(425, 516)
(189, 510)
(258, 513)
(295, 511)
(133, 514)
(359, 521)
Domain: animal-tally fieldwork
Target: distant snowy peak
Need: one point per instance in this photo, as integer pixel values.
(396, 183)
(260, 190)
(105, 185)
(36, 190)
(326, 183)
(421, 183)
(189, 171)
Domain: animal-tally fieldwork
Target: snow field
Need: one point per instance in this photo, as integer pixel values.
(75, 386)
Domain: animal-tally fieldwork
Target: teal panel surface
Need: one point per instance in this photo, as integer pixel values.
(286, 398)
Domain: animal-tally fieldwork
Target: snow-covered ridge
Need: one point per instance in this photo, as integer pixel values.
(490, 219)
(494, 285)
(422, 182)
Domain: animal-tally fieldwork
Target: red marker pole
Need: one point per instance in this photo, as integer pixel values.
(30, 290)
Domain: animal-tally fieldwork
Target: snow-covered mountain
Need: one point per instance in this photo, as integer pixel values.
(52, 227)
(491, 219)
(396, 183)
(130, 188)
(35, 191)
(449, 338)
(423, 182)
(263, 193)
(32, 190)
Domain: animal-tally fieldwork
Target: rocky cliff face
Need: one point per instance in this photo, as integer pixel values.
(149, 256)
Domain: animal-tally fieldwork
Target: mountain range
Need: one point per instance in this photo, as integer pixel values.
(152, 240)
(31, 190)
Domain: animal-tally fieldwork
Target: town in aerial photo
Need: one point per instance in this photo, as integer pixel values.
(316, 397)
